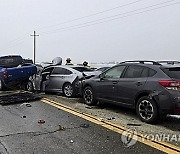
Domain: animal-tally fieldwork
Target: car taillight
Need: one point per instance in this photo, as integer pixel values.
(5, 74)
(170, 84)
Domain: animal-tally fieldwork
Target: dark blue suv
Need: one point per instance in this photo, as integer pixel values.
(151, 88)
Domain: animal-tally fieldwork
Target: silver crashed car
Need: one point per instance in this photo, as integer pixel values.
(59, 79)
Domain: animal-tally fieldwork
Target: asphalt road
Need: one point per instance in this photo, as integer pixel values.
(22, 130)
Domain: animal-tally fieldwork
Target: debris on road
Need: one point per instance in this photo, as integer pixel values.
(129, 124)
(88, 107)
(101, 119)
(84, 125)
(41, 121)
(20, 97)
(61, 128)
(26, 104)
(94, 107)
(111, 118)
(23, 116)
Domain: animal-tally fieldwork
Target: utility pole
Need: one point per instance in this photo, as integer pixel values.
(34, 53)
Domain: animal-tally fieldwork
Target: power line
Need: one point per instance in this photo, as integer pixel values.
(94, 14)
(19, 39)
(90, 15)
(86, 24)
(15, 43)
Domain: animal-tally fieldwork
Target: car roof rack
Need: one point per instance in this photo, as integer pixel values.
(169, 62)
(142, 62)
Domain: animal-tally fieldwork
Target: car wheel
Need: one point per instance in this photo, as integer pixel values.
(68, 90)
(29, 86)
(147, 110)
(88, 96)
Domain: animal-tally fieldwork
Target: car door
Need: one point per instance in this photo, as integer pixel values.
(38, 78)
(44, 79)
(107, 83)
(130, 84)
(57, 78)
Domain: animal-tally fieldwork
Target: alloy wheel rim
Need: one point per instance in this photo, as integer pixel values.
(68, 90)
(146, 109)
(88, 96)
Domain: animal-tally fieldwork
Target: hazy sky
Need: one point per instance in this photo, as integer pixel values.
(113, 30)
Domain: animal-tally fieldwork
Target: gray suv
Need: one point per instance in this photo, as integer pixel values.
(151, 88)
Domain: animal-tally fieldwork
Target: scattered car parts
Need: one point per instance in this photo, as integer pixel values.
(20, 97)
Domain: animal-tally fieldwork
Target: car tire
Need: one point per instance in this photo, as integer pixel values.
(68, 90)
(29, 86)
(147, 110)
(88, 96)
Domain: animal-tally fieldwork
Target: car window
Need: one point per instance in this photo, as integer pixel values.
(134, 72)
(173, 72)
(152, 72)
(115, 72)
(61, 71)
(145, 72)
(48, 70)
(102, 69)
(10, 61)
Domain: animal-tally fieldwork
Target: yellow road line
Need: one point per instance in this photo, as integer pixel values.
(162, 146)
